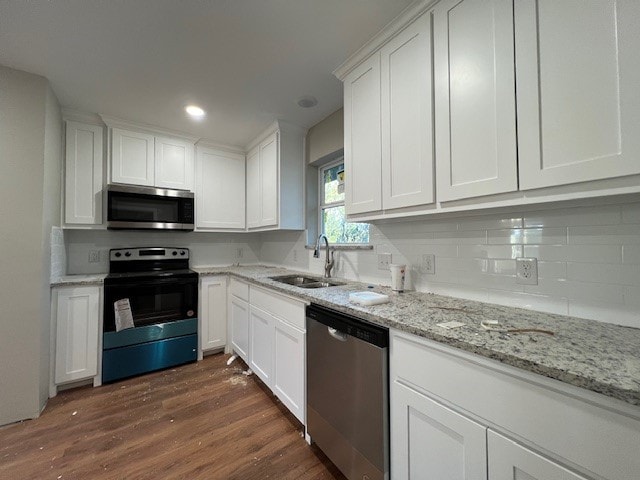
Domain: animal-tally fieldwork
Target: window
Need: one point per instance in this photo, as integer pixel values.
(332, 216)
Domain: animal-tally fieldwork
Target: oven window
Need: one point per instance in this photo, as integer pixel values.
(152, 304)
(142, 208)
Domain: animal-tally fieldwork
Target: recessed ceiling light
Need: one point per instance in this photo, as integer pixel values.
(195, 111)
(307, 101)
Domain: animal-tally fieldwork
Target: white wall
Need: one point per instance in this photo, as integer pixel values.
(51, 200)
(205, 248)
(588, 258)
(23, 236)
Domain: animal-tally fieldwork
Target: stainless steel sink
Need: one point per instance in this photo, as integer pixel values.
(302, 281)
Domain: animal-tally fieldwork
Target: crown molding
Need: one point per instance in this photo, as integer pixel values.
(115, 122)
(390, 30)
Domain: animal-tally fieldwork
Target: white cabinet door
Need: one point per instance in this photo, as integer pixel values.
(132, 159)
(220, 190)
(261, 326)
(83, 174)
(213, 312)
(254, 194)
(578, 72)
(511, 461)
(77, 319)
(289, 367)
(269, 151)
(174, 166)
(475, 98)
(407, 113)
(239, 315)
(430, 441)
(362, 138)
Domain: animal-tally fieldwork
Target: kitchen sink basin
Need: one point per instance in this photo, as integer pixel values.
(305, 282)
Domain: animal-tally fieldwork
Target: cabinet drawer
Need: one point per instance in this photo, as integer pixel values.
(239, 289)
(287, 309)
(546, 413)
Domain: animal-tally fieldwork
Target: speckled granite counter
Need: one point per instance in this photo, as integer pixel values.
(596, 356)
(76, 280)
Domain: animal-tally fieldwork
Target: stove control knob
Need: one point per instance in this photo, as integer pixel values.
(127, 254)
(175, 253)
(118, 254)
(182, 252)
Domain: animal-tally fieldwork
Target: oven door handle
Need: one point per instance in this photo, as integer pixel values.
(155, 282)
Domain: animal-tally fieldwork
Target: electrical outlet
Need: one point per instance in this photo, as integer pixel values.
(428, 264)
(94, 256)
(384, 259)
(527, 271)
(239, 252)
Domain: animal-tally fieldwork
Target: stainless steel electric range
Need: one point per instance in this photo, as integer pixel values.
(150, 311)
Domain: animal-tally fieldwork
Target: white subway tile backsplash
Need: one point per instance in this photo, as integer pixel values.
(592, 215)
(631, 254)
(575, 253)
(605, 312)
(490, 251)
(604, 235)
(631, 213)
(551, 269)
(574, 290)
(528, 236)
(542, 303)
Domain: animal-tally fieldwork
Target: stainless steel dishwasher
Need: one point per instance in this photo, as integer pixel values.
(348, 392)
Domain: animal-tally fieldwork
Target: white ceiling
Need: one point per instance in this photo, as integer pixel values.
(246, 62)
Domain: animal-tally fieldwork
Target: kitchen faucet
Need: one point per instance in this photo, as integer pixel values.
(328, 263)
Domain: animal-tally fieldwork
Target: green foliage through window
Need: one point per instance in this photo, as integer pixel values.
(332, 213)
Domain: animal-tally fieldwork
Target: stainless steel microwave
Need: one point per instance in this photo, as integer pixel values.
(135, 208)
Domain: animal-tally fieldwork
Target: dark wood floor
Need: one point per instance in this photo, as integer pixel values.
(198, 421)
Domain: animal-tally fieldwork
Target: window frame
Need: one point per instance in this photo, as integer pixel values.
(321, 199)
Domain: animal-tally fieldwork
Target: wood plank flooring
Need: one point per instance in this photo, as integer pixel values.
(199, 421)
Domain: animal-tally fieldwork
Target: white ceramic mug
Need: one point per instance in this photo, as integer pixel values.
(397, 277)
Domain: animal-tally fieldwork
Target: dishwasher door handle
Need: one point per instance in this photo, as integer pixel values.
(337, 335)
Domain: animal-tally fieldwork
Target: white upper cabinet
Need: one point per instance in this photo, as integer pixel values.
(475, 98)
(83, 174)
(362, 138)
(254, 209)
(140, 156)
(407, 117)
(275, 179)
(220, 190)
(132, 159)
(174, 166)
(269, 180)
(578, 72)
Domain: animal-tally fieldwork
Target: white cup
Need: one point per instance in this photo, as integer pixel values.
(397, 277)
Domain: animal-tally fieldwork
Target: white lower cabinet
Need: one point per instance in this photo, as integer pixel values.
(289, 367)
(268, 333)
(455, 415)
(213, 313)
(76, 318)
(261, 326)
(511, 461)
(239, 321)
(431, 441)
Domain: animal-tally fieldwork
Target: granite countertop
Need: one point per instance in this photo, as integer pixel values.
(74, 280)
(597, 356)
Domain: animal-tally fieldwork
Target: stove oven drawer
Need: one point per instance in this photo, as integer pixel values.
(133, 360)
